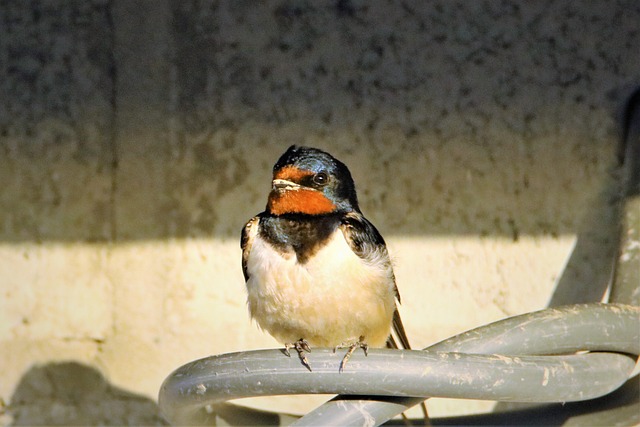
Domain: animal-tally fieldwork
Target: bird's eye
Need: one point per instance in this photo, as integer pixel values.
(320, 178)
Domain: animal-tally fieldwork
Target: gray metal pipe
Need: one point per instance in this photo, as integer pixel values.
(580, 327)
(190, 391)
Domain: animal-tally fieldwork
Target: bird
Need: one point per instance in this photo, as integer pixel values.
(317, 272)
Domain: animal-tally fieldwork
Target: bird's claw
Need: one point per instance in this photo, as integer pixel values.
(360, 343)
(301, 346)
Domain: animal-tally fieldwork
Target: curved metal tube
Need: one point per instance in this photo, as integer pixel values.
(447, 369)
(580, 327)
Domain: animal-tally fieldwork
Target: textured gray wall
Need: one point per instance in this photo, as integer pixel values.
(137, 137)
(443, 100)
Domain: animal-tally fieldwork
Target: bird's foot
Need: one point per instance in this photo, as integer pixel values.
(360, 343)
(301, 347)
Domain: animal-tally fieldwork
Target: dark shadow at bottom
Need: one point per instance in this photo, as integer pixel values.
(74, 394)
(621, 407)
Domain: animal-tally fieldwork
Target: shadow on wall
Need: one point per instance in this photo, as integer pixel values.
(71, 393)
(589, 269)
(470, 127)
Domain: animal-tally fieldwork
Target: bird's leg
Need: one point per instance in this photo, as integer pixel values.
(360, 343)
(301, 346)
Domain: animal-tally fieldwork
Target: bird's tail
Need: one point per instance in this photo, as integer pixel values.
(398, 335)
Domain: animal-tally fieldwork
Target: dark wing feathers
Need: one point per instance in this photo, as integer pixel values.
(367, 243)
(398, 328)
(246, 241)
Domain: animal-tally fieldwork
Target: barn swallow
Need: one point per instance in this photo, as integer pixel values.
(317, 271)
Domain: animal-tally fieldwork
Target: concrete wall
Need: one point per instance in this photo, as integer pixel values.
(137, 137)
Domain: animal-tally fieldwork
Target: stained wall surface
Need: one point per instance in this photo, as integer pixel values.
(137, 137)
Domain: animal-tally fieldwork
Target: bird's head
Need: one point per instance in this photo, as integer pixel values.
(309, 181)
